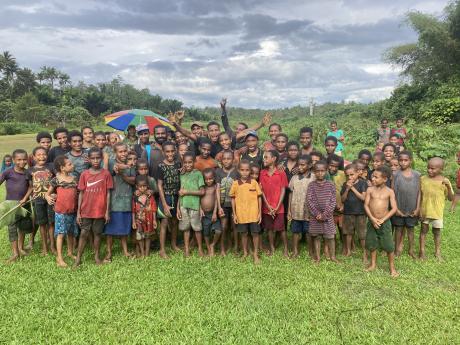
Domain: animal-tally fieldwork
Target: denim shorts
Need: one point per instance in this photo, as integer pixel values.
(299, 226)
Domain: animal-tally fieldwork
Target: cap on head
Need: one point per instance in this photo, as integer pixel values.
(142, 127)
(196, 124)
(251, 134)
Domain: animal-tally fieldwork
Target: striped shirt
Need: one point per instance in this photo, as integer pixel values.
(321, 199)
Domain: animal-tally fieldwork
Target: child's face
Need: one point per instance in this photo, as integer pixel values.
(378, 179)
(100, 141)
(244, 171)
(377, 163)
(142, 187)
(113, 139)
(169, 152)
(61, 138)
(121, 153)
(95, 159)
(8, 161)
(131, 131)
(20, 160)
(352, 175)
(227, 160)
(273, 132)
(303, 167)
(268, 159)
(394, 140)
(333, 167)
(333, 127)
(132, 160)
(142, 169)
(239, 128)
(255, 172)
(45, 143)
(399, 123)
(384, 123)
(182, 149)
(330, 147)
(180, 138)
(68, 167)
(209, 179)
(314, 159)
(205, 150)
(434, 169)
(394, 164)
(188, 163)
(293, 152)
(213, 133)
(280, 144)
(225, 141)
(365, 158)
(88, 135)
(405, 162)
(320, 172)
(76, 143)
(197, 130)
(389, 153)
(305, 139)
(40, 157)
(251, 143)
(380, 146)
(361, 168)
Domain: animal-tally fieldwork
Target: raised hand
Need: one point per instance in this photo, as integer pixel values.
(223, 103)
(267, 119)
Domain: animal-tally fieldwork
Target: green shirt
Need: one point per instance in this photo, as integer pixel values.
(122, 192)
(191, 181)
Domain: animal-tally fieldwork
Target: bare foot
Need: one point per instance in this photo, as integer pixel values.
(107, 260)
(30, 246)
(294, 255)
(200, 253)
(394, 274)
(176, 249)
(316, 261)
(286, 254)
(23, 252)
(256, 260)
(12, 259)
(334, 259)
(77, 263)
(370, 268)
(163, 255)
(61, 263)
(98, 261)
(223, 253)
(73, 257)
(422, 256)
(439, 257)
(211, 250)
(186, 253)
(244, 256)
(412, 255)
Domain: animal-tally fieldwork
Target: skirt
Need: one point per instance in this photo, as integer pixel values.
(119, 225)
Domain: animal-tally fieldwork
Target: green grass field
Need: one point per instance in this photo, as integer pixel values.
(228, 301)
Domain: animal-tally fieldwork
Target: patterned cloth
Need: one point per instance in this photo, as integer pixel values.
(321, 200)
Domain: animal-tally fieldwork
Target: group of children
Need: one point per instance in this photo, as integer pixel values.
(221, 186)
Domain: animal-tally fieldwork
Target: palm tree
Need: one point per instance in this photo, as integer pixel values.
(64, 79)
(9, 67)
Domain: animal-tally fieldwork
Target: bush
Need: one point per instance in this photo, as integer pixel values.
(11, 128)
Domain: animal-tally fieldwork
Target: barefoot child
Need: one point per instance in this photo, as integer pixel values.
(273, 183)
(93, 204)
(434, 189)
(247, 208)
(297, 212)
(210, 221)
(321, 202)
(144, 214)
(61, 136)
(353, 194)
(188, 206)
(76, 155)
(406, 185)
(380, 205)
(204, 160)
(62, 193)
(17, 188)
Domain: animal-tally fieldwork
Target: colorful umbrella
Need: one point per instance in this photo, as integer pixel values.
(122, 119)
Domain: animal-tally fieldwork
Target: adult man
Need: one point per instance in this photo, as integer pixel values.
(150, 151)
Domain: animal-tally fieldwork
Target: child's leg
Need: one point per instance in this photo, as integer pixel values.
(437, 243)
(347, 246)
(70, 246)
(148, 241)
(235, 237)
(398, 239)
(109, 244)
(140, 244)
(373, 264)
(59, 244)
(31, 243)
(124, 246)
(97, 248)
(271, 241)
(310, 245)
(163, 228)
(331, 244)
(391, 262)
(317, 248)
(21, 238)
(44, 238)
(410, 237)
(217, 236)
(199, 241)
(187, 243)
(51, 238)
(423, 232)
(295, 244)
(285, 243)
(81, 244)
(244, 240)
(255, 254)
(173, 229)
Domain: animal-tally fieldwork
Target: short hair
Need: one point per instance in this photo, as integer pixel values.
(364, 152)
(379, 155)
(317, 154)
(94, 150)
(254, 165)
(384, 170)
(406, 153)
(230, 152)
(306, 158)
(245, 125)
(333, 122)
(292, 143)
(244, 162)
(99, 134)
(43, 135)
(359, 162)
(142, 179)
(209, 171)
(73, 134)
(394, 136)
(189, 154)
(320, 162)
(274, 154)
(330, 138)
(117, 145)
(159, 127)
(282, 135)
(384, 119)
(212, 123)
(334, 158)
(19, 152)
(399, 119)
(275, 124)
(222, 134)
(141, 161)
(389, 145)
(59, 162)
(60, 130)
(37, 149)
(351, 166)
(205, 140)
(87, 127)
(306, 130)
(168, 143)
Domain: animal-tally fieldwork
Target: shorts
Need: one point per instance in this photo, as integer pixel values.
(120, 224)
(44, 213)
(190, 220)
(96, 225)
(299, 226)
(338, 220)
(253, 228)
(408, 222)
(354, 224)
(208, 226)
(21, 224)
(171, 201)
(274, 224)
(435, 223)
(228, 212)
(65, 224)
(381, 238)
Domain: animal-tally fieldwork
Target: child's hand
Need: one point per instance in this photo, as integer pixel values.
(78, 219)
(22, 201)
(221, 212)
(154, 224)
(259, 219)
(49, 199)
(349, 184)
(415, 213)
(235, 218)
(340, 209)
(134, 226)
(182, 192)
(267, 119)
(107, 217)
(167, 211)
(201, 213)
(295, 171)
(319, 217)
(281, 167)
(289, 216)
(446, 182)
(399, 213)
(214, 217)
(178, 214)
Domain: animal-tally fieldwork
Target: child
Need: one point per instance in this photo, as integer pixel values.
(457, 195)
(255, 172)
(338, 134)
(99, 140)
(280, 146)
(17, 188)
(144, 214)
(247, 208)
(394, 166)
(93, 205)
(225, 142)
(39, 177)
(273, 183)
(273, 130)
(389, 152)
(321, 202)
(7, 162)
(380, 205)
(297, 212)
(365, 156)
(395, 140)
(330, 144)
(120, 200)
(142, 168)
(131, 160)
(406, 185)
(181, 150)
(400, 132)
(109, 154)
(379, 147)
(433, 188)
(168, 188)
(62, 193)
(188, 206)
(76, 155)
(338, 178)
(316, 157)
(353, 194)
(224, 178)
(43, 140)
(306, 140)
(291, 163)
(362, 169)
(252, 153)
(208, 211)
(204, 160)
(88, 138)
(60, 135)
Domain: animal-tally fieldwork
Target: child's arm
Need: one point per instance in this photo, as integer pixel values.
(344, 195)
(417, 208)
(259, 217)
(153, 207)
(80, 199)
(163, 199)
(105, 161)
(455, 201)
(235, 216)
(289, 215)
(450, 190)
(48, 197)
(280, 201)
(311, 203)
(393, 205)
(133, 216)
(178, 212)
(26, 196)
(220, 211)
(361, 196)
(185, 132)
(199, 192)
(330, 206)
(107, 209)
(367, 200)
(214, 212)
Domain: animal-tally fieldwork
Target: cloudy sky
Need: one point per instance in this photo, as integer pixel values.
(258, 53)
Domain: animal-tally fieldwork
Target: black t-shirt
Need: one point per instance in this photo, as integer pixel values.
(258, 159)
(353, 205)
(170, 175)
(56, 151)
(40, 178)
(215, 147)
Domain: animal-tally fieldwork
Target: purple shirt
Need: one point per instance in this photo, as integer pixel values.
(16, 184)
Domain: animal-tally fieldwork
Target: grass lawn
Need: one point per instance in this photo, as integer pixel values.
(227, 301)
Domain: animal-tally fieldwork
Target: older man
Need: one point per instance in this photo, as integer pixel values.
(151, 151)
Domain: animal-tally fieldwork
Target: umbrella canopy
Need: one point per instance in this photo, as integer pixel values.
(122, 119)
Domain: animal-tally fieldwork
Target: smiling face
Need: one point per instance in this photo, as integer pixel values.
(225, 141)
(305, 139)
(169, 152)
(188, 163)
(160, 135)
(20, 160)
(100, 141)
(209, 179)
(365, 158)
(45, 143)
(40, 157)
(251, 143)
(303, 166)
(389, 153)
(333, 167)
(280, 144)
(205, 150)
(330, 146)
(273, 131)
(255, 172)
(76, 143)
(88, 135)
(61, 138)
(121, 153)
(113, 139)
(384, 123)
(239, 128)
(378, 178)
(180, 138)
(213, 133)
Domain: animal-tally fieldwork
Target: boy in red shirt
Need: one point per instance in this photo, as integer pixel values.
(273, 183)
(93, 203)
